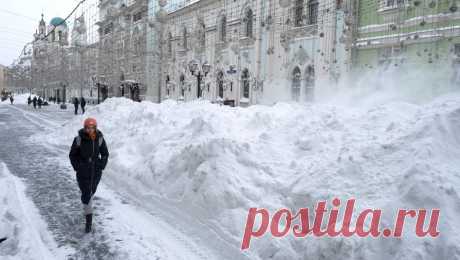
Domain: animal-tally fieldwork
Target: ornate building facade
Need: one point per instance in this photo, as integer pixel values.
(404, 34)
(122, 48)
(49, 62)
(249, 52)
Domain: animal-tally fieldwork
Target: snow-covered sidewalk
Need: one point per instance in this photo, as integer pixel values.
(20, 222)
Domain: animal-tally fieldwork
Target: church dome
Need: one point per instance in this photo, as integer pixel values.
(56, 21)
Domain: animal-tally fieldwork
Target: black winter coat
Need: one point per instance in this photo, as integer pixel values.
(89, 158)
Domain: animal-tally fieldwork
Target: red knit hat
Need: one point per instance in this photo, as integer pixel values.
(90, 122)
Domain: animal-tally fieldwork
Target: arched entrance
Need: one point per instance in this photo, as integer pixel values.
(182, 85)
(122, 85)
(245, 83)
(310, 83)
(134, 92)
(104, 92)
(296, 84)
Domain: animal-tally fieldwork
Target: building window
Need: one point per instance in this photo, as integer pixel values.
(457, 49)
(394, 3)
(137, 16)
(202, 34)
(108, 29)
(184, 39)
(223, 29)
(299, 15)
(313, 11)
(170, 43)
(249, 23)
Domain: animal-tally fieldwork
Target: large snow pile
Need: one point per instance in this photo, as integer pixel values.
(26, 233)
(216, 162)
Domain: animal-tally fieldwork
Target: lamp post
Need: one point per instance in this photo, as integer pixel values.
(200, 74)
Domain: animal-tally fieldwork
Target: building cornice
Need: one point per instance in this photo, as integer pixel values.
(190, 8)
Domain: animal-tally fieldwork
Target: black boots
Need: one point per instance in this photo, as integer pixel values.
(89, 222)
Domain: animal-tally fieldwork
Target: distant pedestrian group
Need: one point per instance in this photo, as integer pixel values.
(79, 102)
(35, 101)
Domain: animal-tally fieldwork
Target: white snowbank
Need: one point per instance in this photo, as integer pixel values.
(216, 162)
(20, 222)
(21, 98)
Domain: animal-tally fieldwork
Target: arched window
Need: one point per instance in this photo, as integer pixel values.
(223, 29)
(299, 12)
(313, 11)
(170, 43)
(296, 84)
(184, 38)
(249, 23)
(202, 34)
(245, 83)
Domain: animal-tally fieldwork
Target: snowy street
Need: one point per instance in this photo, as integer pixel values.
(122, 229)
(230, 130)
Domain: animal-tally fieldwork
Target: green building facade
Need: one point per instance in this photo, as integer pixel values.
(408, 33)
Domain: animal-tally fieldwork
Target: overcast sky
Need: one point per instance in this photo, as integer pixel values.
(19, 20)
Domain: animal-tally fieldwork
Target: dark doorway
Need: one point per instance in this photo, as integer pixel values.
(296, 84)
(245, 83)
(220, 84)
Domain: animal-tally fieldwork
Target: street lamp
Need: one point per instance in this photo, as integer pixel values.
(193, 67)
(199, 73)
(206, 68)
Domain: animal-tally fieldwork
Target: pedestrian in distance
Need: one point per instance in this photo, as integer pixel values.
(75, 104)
(34, 101)
(82, 104)
(89, 156)
(29, 101)
(40, 102)
(11, 99)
